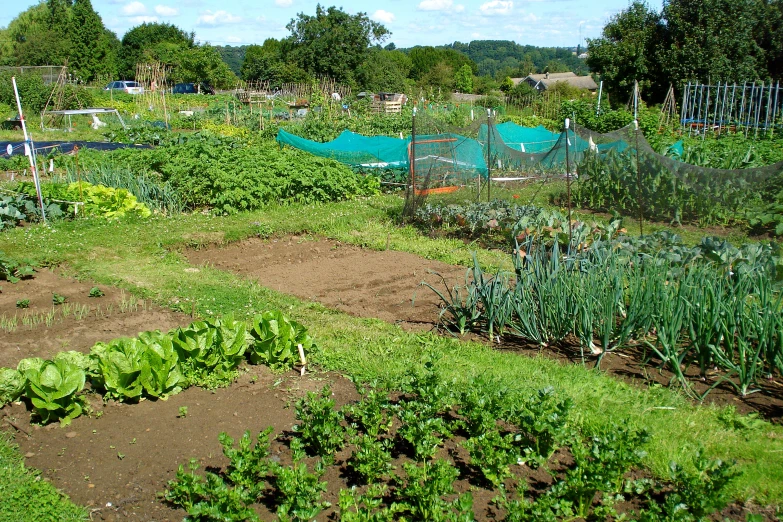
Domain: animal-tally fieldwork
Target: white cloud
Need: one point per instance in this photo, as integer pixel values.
(497, 7)
(144, 19)
(383, 16)
(165, 10)
(233, 39)
(134, 9)
(435, 5)
(284, 3)
(459, 8)
(210, 19)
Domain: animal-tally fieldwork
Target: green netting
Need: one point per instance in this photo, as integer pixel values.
(447, 159)
(354, 149)
(525, 139)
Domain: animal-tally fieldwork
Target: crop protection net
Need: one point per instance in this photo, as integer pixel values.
(618, 170)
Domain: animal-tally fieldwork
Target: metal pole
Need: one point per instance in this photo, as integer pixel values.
(775, 109)
(29, 141)
(766, 113)
(639, 180)
(717, 103)
(600, 91)
(489, 155)
(731, 103)
(683, 110)
(568, 185)
(706, 113)
(750, 107)
(635, 99)
(413, 162)
(742, 104)
(758, 110)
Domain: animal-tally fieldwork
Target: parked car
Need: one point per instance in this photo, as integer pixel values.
(126, 86)
(192, 88)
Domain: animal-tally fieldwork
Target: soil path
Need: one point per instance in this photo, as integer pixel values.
(364, 283)
(44, 329)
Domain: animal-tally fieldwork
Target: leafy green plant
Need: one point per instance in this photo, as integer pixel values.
(493, 454)
(319, 423)
(53, 388)
(12, 384)
(299, 491)
(210, 350)
(96, 292)
(160, 374)
(248, 465)
(23, 303)
(425, 485)
(209, 498)
(275, 340)
(371, 460)
(372, 414)
(120, 368)
(182, 412)
(542, 420)
(356, 507)
(58, 299)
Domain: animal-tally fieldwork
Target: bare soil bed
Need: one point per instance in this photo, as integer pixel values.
(78, 323)
(386, 285)
(364, 283)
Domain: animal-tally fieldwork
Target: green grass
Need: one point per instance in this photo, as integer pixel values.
(144, 257)
(24, 496)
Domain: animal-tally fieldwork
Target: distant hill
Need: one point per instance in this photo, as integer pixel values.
(494, 56)
(233, 56)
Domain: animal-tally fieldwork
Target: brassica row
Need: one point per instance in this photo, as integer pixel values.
(154, 365)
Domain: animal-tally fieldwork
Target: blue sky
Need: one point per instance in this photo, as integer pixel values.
(411, 22)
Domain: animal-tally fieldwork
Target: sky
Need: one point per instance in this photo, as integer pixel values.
(542, 23)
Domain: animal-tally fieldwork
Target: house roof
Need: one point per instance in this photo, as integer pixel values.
(582, 82)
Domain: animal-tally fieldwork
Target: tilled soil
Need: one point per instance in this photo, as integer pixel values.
(365, 283)
(78, 323)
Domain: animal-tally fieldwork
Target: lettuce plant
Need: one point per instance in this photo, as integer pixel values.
(120, 368)
(11, 385)
(275, 340)
(210, 349)
(160, 374)
(53, 388)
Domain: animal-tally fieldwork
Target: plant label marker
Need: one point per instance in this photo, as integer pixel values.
(302, 358)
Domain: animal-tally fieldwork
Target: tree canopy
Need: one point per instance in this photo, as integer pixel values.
(689, 40)
(332, 43)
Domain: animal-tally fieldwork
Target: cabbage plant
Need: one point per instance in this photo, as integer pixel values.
(275, 339)
(53, 388)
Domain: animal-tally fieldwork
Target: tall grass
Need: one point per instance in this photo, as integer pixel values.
(153, 193)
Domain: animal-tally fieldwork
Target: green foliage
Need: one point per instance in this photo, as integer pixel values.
(229, 176)
(248, 466)
(371, 460)
(331, 43)
(13, 271)
(493, 453)
(424, 487)
(160, 374)
(94, 48)
(23, 303)
(275, 341)
(463, 79)
(12, 384)
(58, 299)
(210, 498)
(97, 200)
(320, 425)
(299, 490)
(53, 388)
(210, 350)
(372, 414)
(152, 41)
(96, 292)
(356, 507)
(120, 368)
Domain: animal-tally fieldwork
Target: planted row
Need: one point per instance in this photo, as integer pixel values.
(403, 452)
(698, 313)
(154, 365)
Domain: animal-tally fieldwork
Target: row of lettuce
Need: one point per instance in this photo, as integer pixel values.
(154, 365)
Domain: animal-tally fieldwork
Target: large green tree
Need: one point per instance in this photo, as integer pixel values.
(384, 71)
(94, 49)
(332, 43)
(153, 42)
(626, 51)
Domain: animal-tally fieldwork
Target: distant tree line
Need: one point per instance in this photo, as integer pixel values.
(59, 31)
(688, 40)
